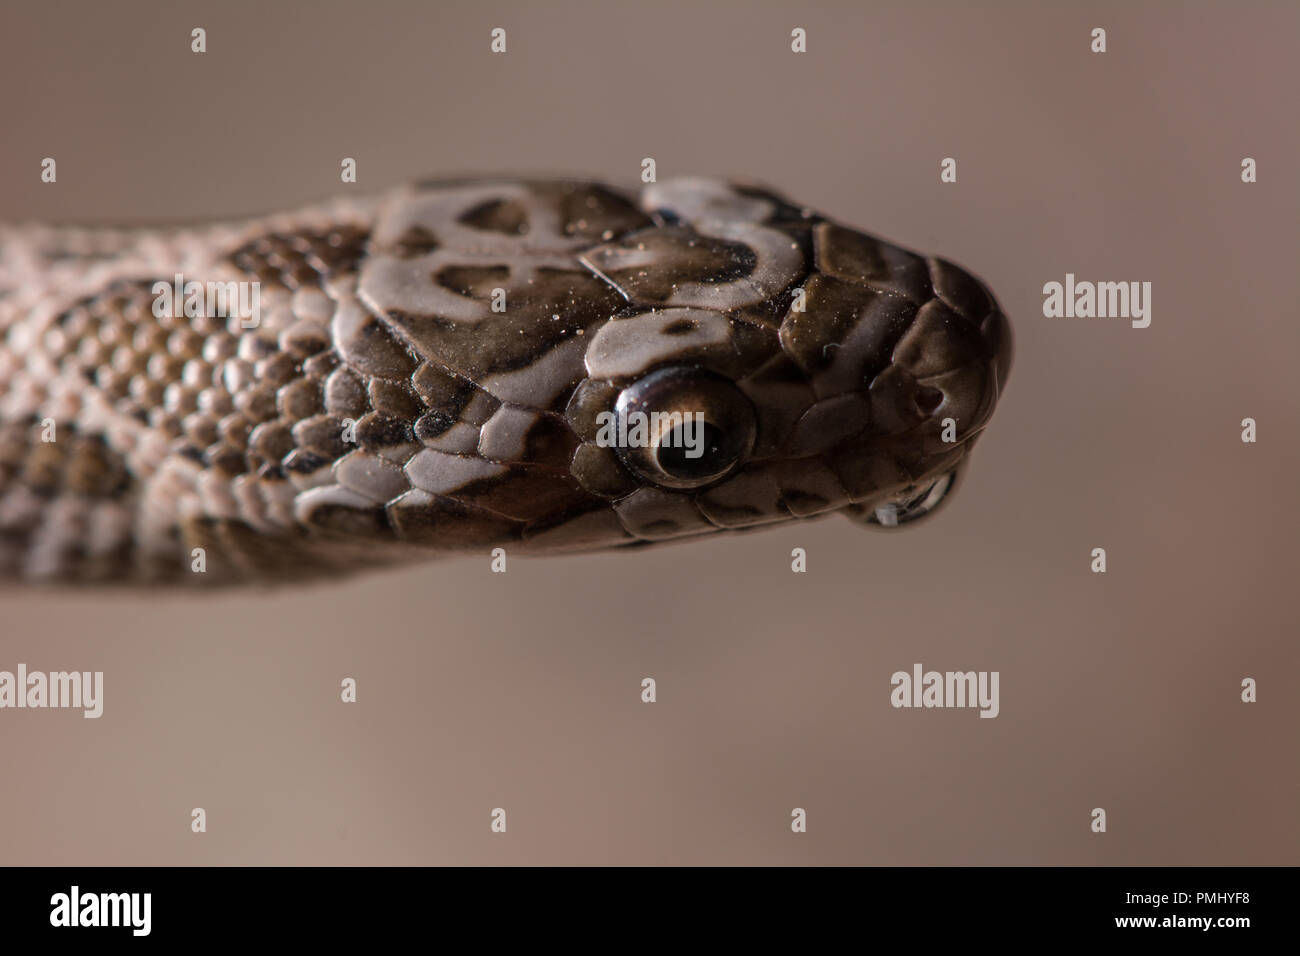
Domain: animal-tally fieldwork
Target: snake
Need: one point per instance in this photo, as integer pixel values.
(451, 367)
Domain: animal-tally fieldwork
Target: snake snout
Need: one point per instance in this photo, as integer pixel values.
(971, 299)
(928, 403)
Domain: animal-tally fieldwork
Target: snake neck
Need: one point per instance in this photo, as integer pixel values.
(151, 382)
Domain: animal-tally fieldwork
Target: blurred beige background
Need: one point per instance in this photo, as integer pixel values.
(522, 690)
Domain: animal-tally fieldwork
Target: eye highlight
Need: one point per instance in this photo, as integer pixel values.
(683, 427)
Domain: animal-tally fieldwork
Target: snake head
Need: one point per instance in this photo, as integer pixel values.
(825, 370)
(594, 369)
(456, 366)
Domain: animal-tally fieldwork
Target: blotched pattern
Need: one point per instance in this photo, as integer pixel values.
(429, 369)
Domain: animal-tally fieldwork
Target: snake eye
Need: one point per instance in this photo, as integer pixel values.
(682, 427)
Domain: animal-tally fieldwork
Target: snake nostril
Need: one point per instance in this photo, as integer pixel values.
(928, 399)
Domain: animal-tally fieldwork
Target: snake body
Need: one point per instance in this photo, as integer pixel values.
(431, 368)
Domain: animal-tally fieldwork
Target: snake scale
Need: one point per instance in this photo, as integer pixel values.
(430, 368)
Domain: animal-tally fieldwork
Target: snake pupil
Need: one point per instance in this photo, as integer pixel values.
(675, 453)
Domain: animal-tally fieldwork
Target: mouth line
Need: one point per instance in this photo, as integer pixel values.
(898, 511)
